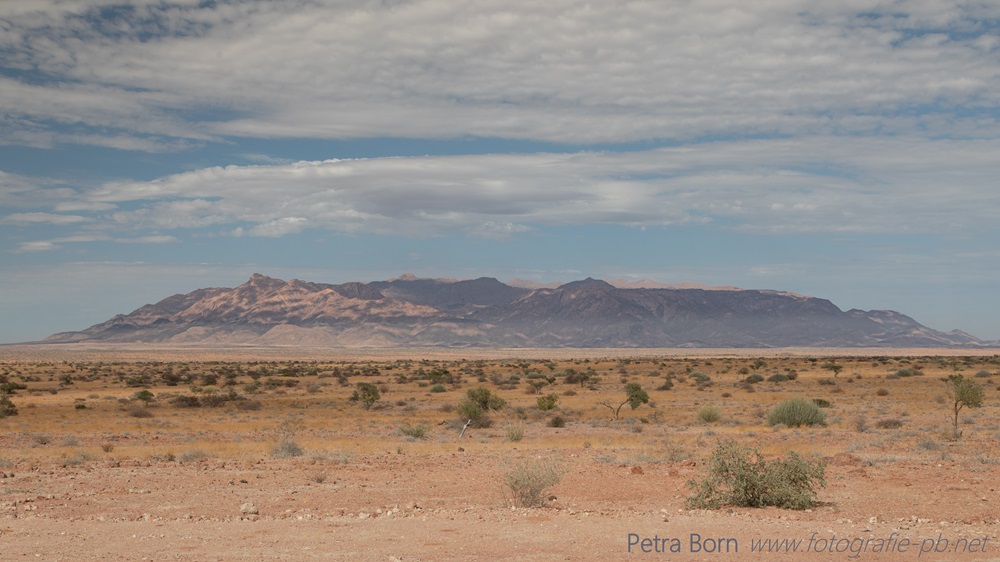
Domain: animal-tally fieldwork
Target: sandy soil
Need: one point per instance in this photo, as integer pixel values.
(104, 486)
(450, 506)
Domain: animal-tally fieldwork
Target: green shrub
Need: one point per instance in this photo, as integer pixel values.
(7, 407)
(754, 378)
(477, 405)
(741, 477)
(525, 482)
(486, 399)
(469, 410)
(366, 393)
(709, 414)
(437, 388)
(777, 377)
(795, 412)
(418, 431)
(547, 402)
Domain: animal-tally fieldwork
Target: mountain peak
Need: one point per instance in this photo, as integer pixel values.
(486, 312)
(588, 283)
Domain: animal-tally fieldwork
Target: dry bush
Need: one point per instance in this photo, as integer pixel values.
(525, 482)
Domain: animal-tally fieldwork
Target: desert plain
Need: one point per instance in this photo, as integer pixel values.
(159, 453)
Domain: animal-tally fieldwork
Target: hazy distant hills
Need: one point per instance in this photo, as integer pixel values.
(410, 311)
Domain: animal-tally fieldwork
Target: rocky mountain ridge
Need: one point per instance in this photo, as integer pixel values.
(411, 311)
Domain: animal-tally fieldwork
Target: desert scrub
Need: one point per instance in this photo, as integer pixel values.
(477, 404)
(515, 431)
(418, 431)
(547, 402)
(194, 455)
(525, 482)
(796, 412)
(740, 476)
(286, 446)
(7, 407)
(709, 414)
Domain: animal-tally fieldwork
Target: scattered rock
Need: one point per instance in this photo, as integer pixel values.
(249, 508)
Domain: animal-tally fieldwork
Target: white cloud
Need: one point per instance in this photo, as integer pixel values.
(163, 73)
(38, 218)
(280, 227)
(816, 184)
(152, 239)
(37, 246)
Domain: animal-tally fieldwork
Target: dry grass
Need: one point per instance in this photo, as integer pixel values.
(331, 427)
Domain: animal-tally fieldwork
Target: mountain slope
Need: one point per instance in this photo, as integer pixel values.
(409, 311)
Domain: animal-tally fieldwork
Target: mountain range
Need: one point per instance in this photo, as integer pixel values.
(411, 311)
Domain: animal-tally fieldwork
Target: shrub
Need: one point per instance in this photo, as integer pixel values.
(709, 414)
(635, 396)
(547, 402)
(525, 482)
(963, 392)
(701, 379)
(137, 411)
(891, 423)
(777, 377)
(285, 446)
(515, 431)
(248, 405)
(882, 392)
(476, 406)
(366, 393)
(822, 403)
(418, 431)
(557, 421)
(486, 399)
(754, 378)
(740, 476)
(437, 388)
(194, 455)
(795, 412)
(185, 401)
(7, 407)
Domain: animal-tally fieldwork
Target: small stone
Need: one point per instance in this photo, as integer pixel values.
(249, 508)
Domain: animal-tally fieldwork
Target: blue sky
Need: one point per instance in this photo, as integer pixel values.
(847, 150)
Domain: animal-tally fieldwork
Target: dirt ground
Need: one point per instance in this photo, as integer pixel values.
(208, 483)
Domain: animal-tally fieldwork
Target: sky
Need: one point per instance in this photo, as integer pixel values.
(847, 150)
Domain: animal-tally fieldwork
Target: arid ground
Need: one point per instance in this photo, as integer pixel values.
(259, 454)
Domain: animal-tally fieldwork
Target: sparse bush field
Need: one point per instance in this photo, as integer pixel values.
(406, 447)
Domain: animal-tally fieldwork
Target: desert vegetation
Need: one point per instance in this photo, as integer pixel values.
(746, 432)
